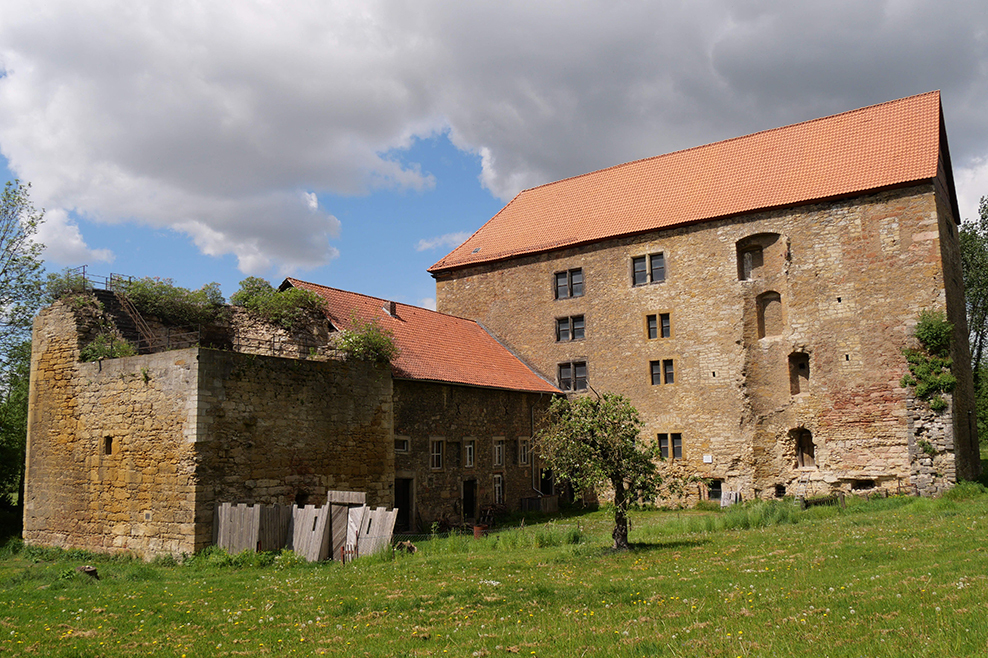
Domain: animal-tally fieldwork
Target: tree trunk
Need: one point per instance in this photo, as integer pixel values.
(620, 533)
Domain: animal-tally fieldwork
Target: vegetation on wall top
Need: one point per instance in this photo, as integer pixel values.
(283, 307)
(174, 304)
(367, 341)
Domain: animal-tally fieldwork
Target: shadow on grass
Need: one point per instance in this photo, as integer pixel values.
(667, 545)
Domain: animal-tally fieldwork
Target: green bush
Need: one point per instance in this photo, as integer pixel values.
(106, 346)
(173, 304)
(929, 368)
(367, 341)
(934, 332)
(283, 307)
(63, 284)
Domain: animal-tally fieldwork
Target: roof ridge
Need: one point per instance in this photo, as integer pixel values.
(720, 141)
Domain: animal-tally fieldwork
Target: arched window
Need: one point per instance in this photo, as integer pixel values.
(752, 252)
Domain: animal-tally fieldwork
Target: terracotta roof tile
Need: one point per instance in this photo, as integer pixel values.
(434, 346)
(868, 149)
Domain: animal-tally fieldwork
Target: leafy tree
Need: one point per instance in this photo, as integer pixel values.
(21, 270)
(13, 421)
(974, 261)
(593, 442)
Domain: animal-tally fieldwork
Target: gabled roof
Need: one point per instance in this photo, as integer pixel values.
(877, 147)
(434, 346)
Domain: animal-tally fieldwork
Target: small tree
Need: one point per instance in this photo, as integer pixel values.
(593, 442)
(283, 307)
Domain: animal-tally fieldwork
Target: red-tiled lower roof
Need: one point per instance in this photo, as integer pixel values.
(434, 346)
(881, 146)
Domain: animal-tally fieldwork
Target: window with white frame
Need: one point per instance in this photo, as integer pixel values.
(524, 447)
(498, 452)
(498, 489)
(468, 448)
(402, 444)
(436, 447)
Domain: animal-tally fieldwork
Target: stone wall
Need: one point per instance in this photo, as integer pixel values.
(132, 453)
(455, 415)
(836, 286)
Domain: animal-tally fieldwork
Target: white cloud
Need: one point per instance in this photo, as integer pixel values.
(63, 241)
(448, 240)
(428, 302)
(225, 119)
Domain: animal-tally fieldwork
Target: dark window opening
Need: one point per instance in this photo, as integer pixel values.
(751, 254)
(302, 498)
(569, 284)
(750, 262)
(652, 323)
(573, 376)
(780, 491)
(715, 490)
(571, 328)
(857, 485)
(108, 445)
(799, 372)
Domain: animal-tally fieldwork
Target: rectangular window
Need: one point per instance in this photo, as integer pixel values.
(401, 445)
(499, 452)
(523, 450)
(671, 445)
(569, 283)
(648, 269)
(468, 448)
(665, 325)
(658, 326)
(498, 489)
(662, 372)
(571, 328)
(436, 454)
(573, 376)
(657, 267)
(652, 327)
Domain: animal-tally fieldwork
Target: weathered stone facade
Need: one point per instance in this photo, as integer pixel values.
(464, 419)
(133, 453)
(786, 330)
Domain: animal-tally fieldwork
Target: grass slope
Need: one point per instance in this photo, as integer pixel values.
(889, 577)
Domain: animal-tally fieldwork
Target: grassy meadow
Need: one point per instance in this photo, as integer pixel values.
(886, 577)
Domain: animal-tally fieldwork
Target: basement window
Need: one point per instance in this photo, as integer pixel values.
(780, 491)
(858, 485)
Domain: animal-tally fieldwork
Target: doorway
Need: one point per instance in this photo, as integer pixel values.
(403, 503)
(469, 499)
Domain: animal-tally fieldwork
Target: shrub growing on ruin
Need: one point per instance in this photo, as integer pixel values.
(929, 367)
(367, 341)
(283, 307)
(106, 346)
(174, 304)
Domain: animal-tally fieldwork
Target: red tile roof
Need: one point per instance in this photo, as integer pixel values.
(876, 147)
(434, 346)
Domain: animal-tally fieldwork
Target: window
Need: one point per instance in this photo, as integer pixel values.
(468, 448)
(108, 445)
(436, 454)
(569, 283)
(658, 326)
(715, 490)
(401, 445)
(663, 372)
(770, 321)
(573, 376)
(648, 269)
(523, 449)
(671, 445)
(499, 452)
(498, 489)
(571, 328)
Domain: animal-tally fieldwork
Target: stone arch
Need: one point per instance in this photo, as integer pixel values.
(770, 321)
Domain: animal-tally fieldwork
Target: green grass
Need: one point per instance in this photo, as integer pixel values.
(888, 577)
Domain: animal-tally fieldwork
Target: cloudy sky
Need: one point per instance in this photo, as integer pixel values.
(355, 143)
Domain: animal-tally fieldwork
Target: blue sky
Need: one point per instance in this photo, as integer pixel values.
(329, 141)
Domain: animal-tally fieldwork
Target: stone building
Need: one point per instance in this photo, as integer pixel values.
(751, 297)
(464, 411)
(134, 453)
